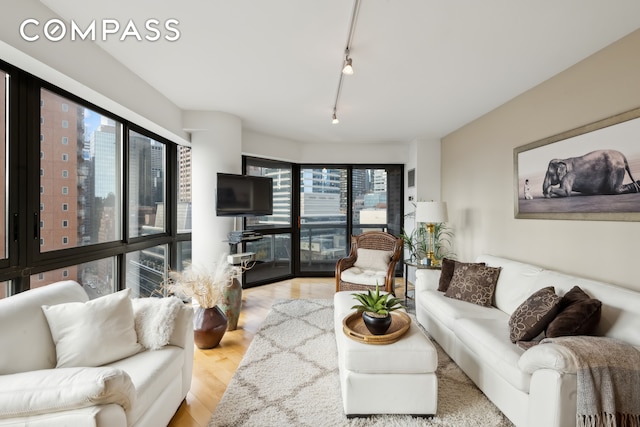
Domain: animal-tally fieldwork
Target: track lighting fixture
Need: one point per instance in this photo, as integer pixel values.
(348, 66)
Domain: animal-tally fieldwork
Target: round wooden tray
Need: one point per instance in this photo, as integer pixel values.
(354, 327)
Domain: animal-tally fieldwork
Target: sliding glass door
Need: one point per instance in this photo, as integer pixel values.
(323, 217)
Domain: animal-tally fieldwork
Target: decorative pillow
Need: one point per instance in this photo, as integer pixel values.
(473, 283)
(579, 315)
(446, 273)
(93, 333)
(373, 259)
(155, 320)
(533, 315)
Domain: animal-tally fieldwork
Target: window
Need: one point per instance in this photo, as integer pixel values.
(146, 185)
(65, 240)
(41, 189)
(41, 172)
(184, 189)
(65, 223)
(65, 140)
(145, 271)
(65, 124)
(4, 127)
(96, 212)
(96, 277)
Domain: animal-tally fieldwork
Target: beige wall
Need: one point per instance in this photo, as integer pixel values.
(477, 172)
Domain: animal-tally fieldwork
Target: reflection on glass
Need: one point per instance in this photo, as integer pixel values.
(184, 189)
(281, 176)
(146, 185)
(273, 257)
(5, 289)
(184, 255)
(369, 195)
(145, 271)
(79, 175)
(323, 208)
(97, 277)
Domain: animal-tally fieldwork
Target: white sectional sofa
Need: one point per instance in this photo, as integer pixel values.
(143, 389)
(534, 387)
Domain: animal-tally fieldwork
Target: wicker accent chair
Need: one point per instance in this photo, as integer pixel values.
(358, 275)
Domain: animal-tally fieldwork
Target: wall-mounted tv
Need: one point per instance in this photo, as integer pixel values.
(244, 195)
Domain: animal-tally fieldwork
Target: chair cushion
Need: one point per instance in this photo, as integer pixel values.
(373, 259)
(364, 277)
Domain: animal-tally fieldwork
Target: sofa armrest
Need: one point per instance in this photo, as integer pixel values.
(54, 390)
(547, 356)
(427, 279)
(182, 335)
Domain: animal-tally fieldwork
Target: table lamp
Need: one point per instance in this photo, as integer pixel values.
(431, 213)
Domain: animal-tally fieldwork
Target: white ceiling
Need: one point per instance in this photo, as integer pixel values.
(423, 68)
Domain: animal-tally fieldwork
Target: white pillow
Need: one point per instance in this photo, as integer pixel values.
(155, 319)
(51, 390)
(95, 332)
(373, 259)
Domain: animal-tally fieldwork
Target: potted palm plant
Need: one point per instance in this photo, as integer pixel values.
(376, 309)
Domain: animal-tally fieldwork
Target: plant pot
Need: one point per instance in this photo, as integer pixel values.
(209, 325)
(376, 324)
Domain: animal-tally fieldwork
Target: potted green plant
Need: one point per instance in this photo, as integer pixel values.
(376, 309)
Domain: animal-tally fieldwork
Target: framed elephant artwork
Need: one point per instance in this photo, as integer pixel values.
(588, 173)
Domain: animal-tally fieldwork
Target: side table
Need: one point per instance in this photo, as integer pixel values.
(408, 263)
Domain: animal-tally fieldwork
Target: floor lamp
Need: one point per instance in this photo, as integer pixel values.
(431, 213)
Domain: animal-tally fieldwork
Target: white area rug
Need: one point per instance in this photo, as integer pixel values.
(289, 377)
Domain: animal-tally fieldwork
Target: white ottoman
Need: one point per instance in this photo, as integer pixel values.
(397, 378)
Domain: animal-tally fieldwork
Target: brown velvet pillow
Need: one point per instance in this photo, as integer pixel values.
(446, 274)
(579, 315)
(473, 283)
(533, 315)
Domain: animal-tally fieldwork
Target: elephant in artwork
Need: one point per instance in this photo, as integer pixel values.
(598, 172)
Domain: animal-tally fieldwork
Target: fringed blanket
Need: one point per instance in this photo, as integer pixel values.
(608, 372)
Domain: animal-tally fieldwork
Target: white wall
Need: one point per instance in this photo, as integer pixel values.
(86, 70)
(477, 172)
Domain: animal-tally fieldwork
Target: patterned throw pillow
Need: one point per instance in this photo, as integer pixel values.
(533, 315)
(446, 273)
(473, 283)
(579, 315)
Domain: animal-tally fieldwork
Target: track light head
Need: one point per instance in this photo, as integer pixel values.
(348, 67)
(334, 119)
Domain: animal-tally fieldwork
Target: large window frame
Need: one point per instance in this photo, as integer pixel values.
(25, 261)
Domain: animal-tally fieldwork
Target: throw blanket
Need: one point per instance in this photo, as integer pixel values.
(608, 372)
(155, 320)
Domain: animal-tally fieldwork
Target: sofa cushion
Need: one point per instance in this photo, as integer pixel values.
(533, 315)
(448, 310)
(446, 273)
(473, 283)
(488, 340)
(54, 390)
(93, 333)
(373, 259)
(152, 373)
(155, 319)
(579, 315)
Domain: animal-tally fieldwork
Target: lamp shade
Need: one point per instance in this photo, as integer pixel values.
(431, 212)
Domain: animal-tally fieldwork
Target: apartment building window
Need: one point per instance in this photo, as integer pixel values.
(97, 217)
(81, 173)
(146, 185)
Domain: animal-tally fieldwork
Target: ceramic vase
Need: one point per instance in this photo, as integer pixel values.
(209, 325)
(231, 303)
(376, 325)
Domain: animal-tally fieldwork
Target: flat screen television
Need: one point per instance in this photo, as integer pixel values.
(244, 195)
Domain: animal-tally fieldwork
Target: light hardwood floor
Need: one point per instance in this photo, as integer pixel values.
(213, 369)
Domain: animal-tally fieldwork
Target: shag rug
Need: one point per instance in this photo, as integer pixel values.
(289, 377)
